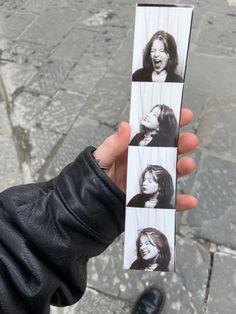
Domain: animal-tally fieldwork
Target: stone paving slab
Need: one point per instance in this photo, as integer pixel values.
(5, 128)
(61, 112)
(85, 132)
(193, 263)
(223, 285)
(125, 113)
(50, 28)
(85, 75)
(4, 43)
(212, 73)
(22, 52)
(202, 8)
(121, 62)
(96, 18)
(26, 107)
(50, 77)
(1, 94)
(9, 165)
(16, 76)
(113, 15)
(95, 4)
(195, 99)
(96, 302)
(215, 217)
(212, 6)
(221, 139)
(220, 29)
(107, 42)
(75, 43)
(10, 172)
(222, 6)
(12, 24)
(44, 121)
(34, 6)
(42, 142)
(185, 291)
(108, 100)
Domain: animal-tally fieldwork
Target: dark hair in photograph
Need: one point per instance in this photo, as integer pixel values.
(158, 239)
(164, 181)
(170, 47)
(167, 122)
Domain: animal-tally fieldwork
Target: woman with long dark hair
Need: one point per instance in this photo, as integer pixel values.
(157, 189)
(153, 251)
(160, 60)
(158, 128)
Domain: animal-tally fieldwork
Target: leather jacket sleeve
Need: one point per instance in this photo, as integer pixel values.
(48, 231)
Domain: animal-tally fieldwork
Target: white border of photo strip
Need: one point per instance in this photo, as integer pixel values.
(150, 221)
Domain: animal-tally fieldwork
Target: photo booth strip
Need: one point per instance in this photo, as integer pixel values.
(161, 44)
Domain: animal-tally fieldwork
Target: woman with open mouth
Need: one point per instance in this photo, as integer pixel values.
(160, 60)
(159, 128)
(153, 251)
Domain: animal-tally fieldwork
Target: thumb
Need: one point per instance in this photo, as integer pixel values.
(113, 146)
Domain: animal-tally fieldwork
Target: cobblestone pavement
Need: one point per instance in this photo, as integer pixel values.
(66, 66)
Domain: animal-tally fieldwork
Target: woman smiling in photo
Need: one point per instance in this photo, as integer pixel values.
(153, 251)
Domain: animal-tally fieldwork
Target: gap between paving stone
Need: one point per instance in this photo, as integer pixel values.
(49, 159)
(208, 285)
(10, 139)
(3, 92)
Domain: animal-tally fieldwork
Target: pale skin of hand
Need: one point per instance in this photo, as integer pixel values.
(113, 152)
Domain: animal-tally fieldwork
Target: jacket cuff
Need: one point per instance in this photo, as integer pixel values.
(92, 197)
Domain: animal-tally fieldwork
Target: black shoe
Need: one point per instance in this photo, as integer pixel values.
(151, 301)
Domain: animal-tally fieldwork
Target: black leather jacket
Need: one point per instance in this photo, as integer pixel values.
(48, 231)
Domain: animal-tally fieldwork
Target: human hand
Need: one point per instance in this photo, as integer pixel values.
(112, 153)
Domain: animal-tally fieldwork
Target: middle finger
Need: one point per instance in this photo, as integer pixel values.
(187, 143)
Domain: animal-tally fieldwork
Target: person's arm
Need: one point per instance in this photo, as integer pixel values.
(50, 230)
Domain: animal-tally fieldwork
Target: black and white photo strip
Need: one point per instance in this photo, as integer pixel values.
(161, 41)
(151, 177)
(150, 239)
(154, 114)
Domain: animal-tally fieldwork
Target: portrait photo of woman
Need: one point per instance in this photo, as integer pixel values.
(150, 239)
(160, 60)
(161, 43)
(156, 189)
(153, 251)
(159, 128)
